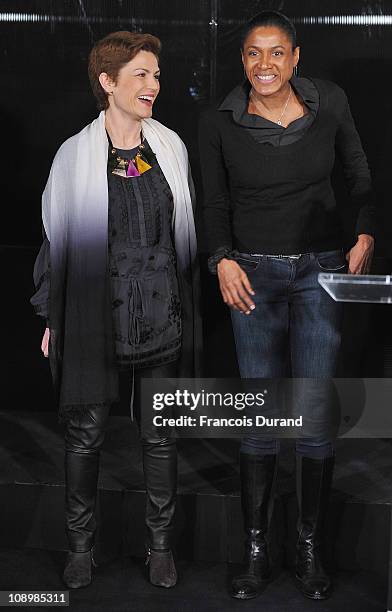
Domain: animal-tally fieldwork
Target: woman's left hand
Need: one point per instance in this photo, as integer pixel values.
(360, 256)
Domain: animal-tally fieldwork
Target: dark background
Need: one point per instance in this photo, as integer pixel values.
(45, 98)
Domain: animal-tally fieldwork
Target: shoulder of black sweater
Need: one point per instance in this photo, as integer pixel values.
(330, 88)
(332, 96)
(211, 114)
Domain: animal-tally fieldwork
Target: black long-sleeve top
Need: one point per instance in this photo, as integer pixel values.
(279, 199)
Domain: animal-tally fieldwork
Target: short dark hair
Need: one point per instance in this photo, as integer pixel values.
(270, 18)
(112, 53)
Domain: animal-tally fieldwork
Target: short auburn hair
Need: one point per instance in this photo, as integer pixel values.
(112, 53)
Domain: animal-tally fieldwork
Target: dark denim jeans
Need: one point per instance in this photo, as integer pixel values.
(294, 330)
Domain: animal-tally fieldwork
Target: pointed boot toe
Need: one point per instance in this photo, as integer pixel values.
(78, 569)
(161, 568)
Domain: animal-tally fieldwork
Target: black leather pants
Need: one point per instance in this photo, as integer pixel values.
(84, 436)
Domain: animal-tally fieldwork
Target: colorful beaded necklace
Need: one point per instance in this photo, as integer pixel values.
(140, 163)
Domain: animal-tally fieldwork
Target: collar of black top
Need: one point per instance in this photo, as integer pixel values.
(237, 99)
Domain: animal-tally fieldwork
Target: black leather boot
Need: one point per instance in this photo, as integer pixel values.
(81, 470)
(258, 473)
(160, 474)
(314, 478)
(78, 569)
(84, 436)
(162, 570)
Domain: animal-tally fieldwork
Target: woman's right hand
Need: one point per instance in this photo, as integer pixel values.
(45, 342)
(235, 286)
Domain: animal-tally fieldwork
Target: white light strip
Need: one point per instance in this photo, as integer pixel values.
(329, 20)
(347, 20)
(37, 18)
(25, 17)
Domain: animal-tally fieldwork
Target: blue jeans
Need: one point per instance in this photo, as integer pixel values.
(295, 329)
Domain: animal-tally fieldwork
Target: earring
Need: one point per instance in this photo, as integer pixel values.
(296, 71)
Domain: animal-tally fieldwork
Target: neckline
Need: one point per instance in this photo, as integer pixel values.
(111, 145)
(127, 151)
(302, 102)
(281, 150)
(275, 124)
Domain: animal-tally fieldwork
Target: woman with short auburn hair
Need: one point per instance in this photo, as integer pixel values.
(115, 281)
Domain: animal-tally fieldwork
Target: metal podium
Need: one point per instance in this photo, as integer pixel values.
(357, 288)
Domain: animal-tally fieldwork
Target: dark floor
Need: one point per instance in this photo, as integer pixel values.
(32, 452)
(122, 586)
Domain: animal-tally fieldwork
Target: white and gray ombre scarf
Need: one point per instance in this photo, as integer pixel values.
(75, 217)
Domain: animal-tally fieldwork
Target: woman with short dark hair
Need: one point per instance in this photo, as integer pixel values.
(267, 155)
(115, 280)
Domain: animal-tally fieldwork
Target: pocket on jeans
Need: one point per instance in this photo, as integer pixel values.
(331, 261)
(247, 262)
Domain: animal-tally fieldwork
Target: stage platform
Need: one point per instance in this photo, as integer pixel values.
(208, 521)
(121, 586)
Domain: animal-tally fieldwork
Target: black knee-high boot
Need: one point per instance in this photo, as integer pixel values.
(84, 437)
(258, 473)
(314, 478)
(160, 474)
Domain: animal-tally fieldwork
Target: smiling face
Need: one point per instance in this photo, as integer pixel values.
(136, 86)
(269, 59)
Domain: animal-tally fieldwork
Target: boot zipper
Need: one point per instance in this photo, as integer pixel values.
(148, 556)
